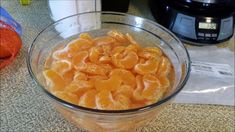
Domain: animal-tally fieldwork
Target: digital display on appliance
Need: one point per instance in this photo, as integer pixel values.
(204, 25)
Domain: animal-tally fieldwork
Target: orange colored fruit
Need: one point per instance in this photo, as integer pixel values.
(68, 76)
(164, 67)
(111, 84)
(94, 78)
(61, 54)
(79, 76)
(155, 51)
(54, 80)
(125, 90)
(121, 102)
(117, 36)
(107, 68)
(79, 45)
(118, 49)
(127, 77)
(152, 87)
(126, 60)
(79, 60)
(106, 49)
(104, 40)
(88, 99)
(95, 53)
(85, 36)
(139, 88)
(61, 66)
(94, 69)
(164, 81)
(105, 59)
(69, 97)
(110, 72)
(150, 66)
(79, 87)
(104, 100)
(133, 47)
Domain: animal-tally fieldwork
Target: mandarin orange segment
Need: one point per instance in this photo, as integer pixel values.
(137, 95)
(69, 97)
(130, 39)
(133, 47)
(139, 88)
(111, 84)
(155, 51)
(151, 86)
(164, 67)
(84, 84)
(48, 62)
(164, 81)
(123, 99)
(118, 106)
(95, 78)
(105, 59)
(106, 49)
(117, 35)
(126, 90)
(54, 80)
(130, 60)
(115, 44)
(79, 45)
(72, 87)
(142, 61)
(85, 36)
(121, 102)
(104, 40)
(61, 66)
(79, 87)
(107, 68)
(148, 87)
(150, 78)
(150, 52)
(79, 60)
(104, 100)
(147, 55)
(127, 77)
(79, 76)
(94, 69)
(88, 99)
(68, 76)
(118, 49)
(94, 54)
(126, 61)
(60, 54)
(150, 66)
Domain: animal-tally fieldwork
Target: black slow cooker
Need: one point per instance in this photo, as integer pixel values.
(199, 22)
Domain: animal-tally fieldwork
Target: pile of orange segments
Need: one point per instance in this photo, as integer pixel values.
(111, 72)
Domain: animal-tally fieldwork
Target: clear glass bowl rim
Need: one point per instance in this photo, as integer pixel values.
(76, 107)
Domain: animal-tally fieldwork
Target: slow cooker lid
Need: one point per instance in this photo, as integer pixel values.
(198, 7)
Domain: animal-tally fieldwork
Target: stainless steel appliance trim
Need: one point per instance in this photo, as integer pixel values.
(206, 1)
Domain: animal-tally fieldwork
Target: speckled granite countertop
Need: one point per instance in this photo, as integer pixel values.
(23, 108)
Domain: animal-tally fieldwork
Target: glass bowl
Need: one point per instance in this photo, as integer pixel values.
(146, 32)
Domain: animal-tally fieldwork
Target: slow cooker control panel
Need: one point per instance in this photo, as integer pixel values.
(211, 29)
(206, 30)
